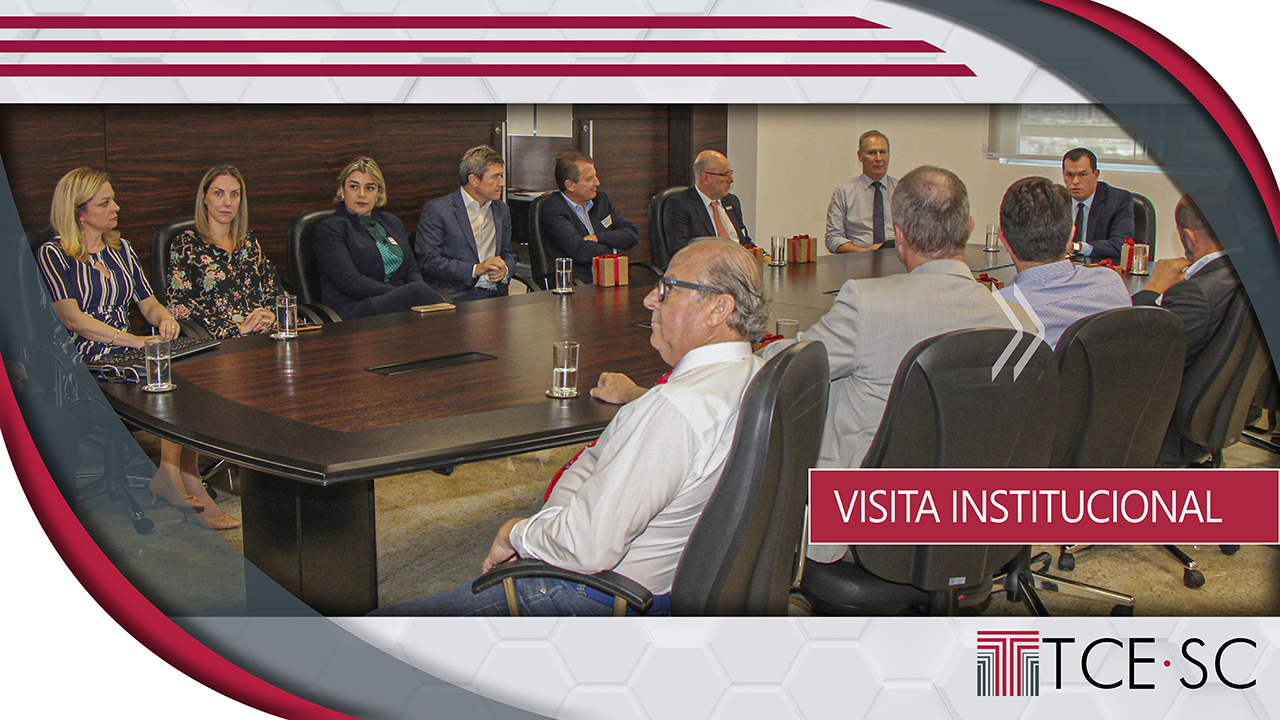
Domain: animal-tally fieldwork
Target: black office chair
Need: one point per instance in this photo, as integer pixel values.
(1144, 223)
(304, 277)
(540, 262)
(741, 557)
(1217, 390)
(161, 240)
(1119, 374)
(946, 410)
(659, 251)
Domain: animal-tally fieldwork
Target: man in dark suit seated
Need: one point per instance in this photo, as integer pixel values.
(1106, 212)
(629, 501)
(464, 238)
(1198, 288)
(582, 224)
(707, 209)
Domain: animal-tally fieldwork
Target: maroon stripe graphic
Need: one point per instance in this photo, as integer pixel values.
(468, 46)
(403, 22)
(482, 70)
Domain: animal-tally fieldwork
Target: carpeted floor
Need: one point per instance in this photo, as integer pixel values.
(433, 532)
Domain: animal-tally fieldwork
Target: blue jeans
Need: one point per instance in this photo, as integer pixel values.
(536, 596)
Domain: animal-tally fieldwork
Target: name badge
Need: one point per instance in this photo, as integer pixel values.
(607, 221)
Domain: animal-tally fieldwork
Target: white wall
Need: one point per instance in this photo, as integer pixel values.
(787, 159)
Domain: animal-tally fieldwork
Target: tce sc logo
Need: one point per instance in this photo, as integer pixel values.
(1194, 650)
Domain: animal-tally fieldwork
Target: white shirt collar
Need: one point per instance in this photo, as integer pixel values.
(472, 203)
(710, 355)
(1198, 265)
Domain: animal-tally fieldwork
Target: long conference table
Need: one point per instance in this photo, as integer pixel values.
(314, 420)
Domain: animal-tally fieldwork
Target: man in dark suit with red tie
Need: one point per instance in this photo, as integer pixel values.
(707, 209)
(582, 224)
(1102, 215)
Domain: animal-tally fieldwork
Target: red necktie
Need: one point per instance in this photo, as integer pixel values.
(574, 459)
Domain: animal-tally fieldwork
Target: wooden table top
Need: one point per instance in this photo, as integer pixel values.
(311, 410)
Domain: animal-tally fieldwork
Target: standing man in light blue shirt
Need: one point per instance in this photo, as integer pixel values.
(1035, 225)
(859, 216)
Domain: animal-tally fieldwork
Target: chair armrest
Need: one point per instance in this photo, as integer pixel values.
(193, 329)
(647, 266)
(318, 313)
(609, 582)
(531, 285)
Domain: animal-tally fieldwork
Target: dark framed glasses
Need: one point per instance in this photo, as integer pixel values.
(664, 283)
(127, 375)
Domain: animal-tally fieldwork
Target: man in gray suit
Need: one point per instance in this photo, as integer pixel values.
(875, 322)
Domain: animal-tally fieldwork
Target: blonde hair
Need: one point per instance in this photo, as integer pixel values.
(240, 224)
(367, 166)
(72, 194)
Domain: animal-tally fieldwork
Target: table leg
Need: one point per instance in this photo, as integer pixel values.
(317, 542)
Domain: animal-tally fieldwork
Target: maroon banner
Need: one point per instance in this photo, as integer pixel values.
(1045, 507)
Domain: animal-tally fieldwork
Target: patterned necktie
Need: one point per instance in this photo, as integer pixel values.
(715, 216)
(1080, 223)
(877, 215)
(574, 459)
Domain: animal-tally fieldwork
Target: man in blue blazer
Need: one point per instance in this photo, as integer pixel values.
(1102, 215)
(464, 238)
(582, 224)
(689, 214)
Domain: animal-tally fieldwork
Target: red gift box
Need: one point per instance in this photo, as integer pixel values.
(609, 270)
(991, 283)
(804, 249)
(1126, 254)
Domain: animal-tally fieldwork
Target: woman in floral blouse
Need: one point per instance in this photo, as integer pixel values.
(218, 277)
(218, 274)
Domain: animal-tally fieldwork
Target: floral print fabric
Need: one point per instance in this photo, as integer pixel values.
(218, 289)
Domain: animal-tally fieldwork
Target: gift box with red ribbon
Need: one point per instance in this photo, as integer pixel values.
(609, 270)
(803, 249)
(991, 283)
(1109, 265)
(759, 253)
(1126, 255)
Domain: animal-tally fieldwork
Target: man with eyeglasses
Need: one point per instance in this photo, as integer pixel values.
(629, 501)
(707, 209)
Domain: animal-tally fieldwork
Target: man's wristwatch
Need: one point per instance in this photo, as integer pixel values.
(1077, 247)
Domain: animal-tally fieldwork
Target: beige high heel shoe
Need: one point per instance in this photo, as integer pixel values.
(161, 488)
(225, 521)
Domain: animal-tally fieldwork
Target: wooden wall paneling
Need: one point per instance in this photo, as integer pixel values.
(631, 160)
(41, 143)
(709, 129)
(290, 156)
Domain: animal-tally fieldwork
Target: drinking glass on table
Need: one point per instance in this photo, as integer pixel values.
(564, 371)
(286, 317)
(157, 355)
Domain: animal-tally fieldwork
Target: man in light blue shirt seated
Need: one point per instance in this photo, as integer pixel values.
(1035, 225)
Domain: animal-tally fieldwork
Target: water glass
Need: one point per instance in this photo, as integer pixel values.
(564, 371)
(788, 328)
(993, 239)
(779, 246)
(286, 317)
(158, 360)
(564, 276)
(1140, 259)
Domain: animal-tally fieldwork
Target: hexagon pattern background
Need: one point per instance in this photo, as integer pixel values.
(676, 668)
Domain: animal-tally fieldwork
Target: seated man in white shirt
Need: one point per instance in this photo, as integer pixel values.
(630, 500)
(1035, 224)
